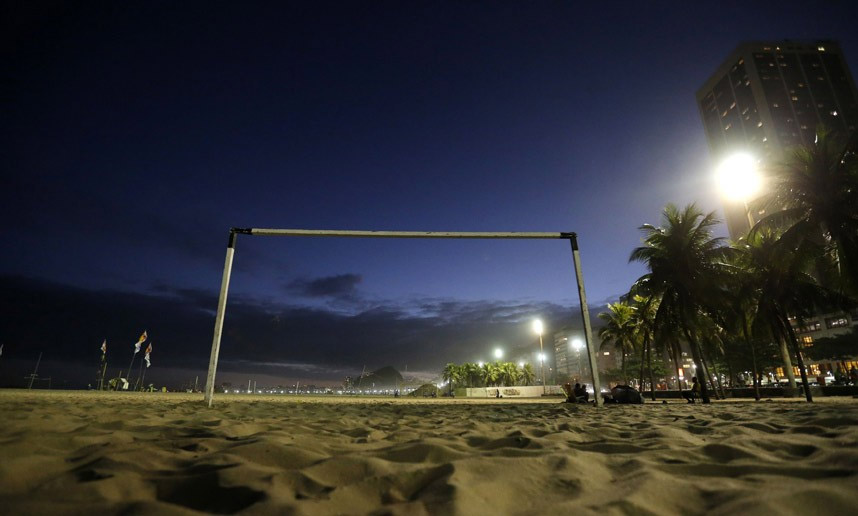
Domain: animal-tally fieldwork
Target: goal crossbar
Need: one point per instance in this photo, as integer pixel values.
(230, 252)
(401, 234)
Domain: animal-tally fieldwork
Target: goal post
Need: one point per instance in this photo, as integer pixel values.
(230, 252)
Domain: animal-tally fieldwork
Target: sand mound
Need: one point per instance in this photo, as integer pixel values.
(112, 453)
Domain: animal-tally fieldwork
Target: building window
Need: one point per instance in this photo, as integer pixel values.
(836, 322)
(806, 341)
(809, 327)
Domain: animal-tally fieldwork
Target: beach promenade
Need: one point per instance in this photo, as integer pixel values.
(79, 452)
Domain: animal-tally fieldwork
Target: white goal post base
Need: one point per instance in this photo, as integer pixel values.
(230, 252)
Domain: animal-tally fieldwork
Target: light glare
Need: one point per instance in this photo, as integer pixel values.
(738, 177)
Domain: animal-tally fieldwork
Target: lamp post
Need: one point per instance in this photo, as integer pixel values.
(538, 328)
(739, 180)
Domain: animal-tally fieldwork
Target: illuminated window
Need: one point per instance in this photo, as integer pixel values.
(606, 353)
(794, 98)
(809, 327)
(806, 341)
(836, 322)
(821, 49)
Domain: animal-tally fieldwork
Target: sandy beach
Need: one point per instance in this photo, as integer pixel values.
(134, 453)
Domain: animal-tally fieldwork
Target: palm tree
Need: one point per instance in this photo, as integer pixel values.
(452, 374)
(687, 268)
(509, 373)
(527, 374)
(814, 201)
(471, 374)
(785, 292)
(643, 320)
(619, 330)
(737, 316)
(490, 374)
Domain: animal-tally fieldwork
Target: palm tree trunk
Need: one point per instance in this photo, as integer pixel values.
(707, 359)
(792, 337)
(641, 377)
(695, 355)
(750, 343)
(790, 374)
(707, 372)
(649, 364)
(675, 352)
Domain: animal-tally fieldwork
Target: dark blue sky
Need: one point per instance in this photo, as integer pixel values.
(135, 134)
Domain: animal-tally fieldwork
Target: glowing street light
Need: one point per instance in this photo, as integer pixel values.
(538, 328)
(739, 180)
(498, 353)
(480, 363)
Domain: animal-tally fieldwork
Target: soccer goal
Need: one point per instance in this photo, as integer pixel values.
(230, 252)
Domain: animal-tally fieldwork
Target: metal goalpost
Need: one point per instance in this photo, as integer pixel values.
(230, 251)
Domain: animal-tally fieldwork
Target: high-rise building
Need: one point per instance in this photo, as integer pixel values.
(769, 96)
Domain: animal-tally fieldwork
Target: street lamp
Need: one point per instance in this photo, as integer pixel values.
(498, 353)
(538, 328)
(739, 180)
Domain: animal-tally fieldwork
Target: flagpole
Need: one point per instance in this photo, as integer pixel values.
(139, 375)
(137, 345)
(131, 364)
(103, 372)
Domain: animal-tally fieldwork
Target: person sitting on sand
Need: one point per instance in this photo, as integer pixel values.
(694, 392)
(581, 394)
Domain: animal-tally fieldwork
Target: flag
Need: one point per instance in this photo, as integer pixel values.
(146, 358)
(104, 346)
(140, 341)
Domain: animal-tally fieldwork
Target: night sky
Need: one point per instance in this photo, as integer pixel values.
(135, 134)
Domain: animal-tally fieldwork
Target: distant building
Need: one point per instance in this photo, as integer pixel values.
(769, 96)
(570, 352)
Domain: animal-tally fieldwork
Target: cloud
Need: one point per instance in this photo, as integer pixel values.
(339, 286)
(289, 341)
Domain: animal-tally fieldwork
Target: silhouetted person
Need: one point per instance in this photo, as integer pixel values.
(580, 393)
(693, 393)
